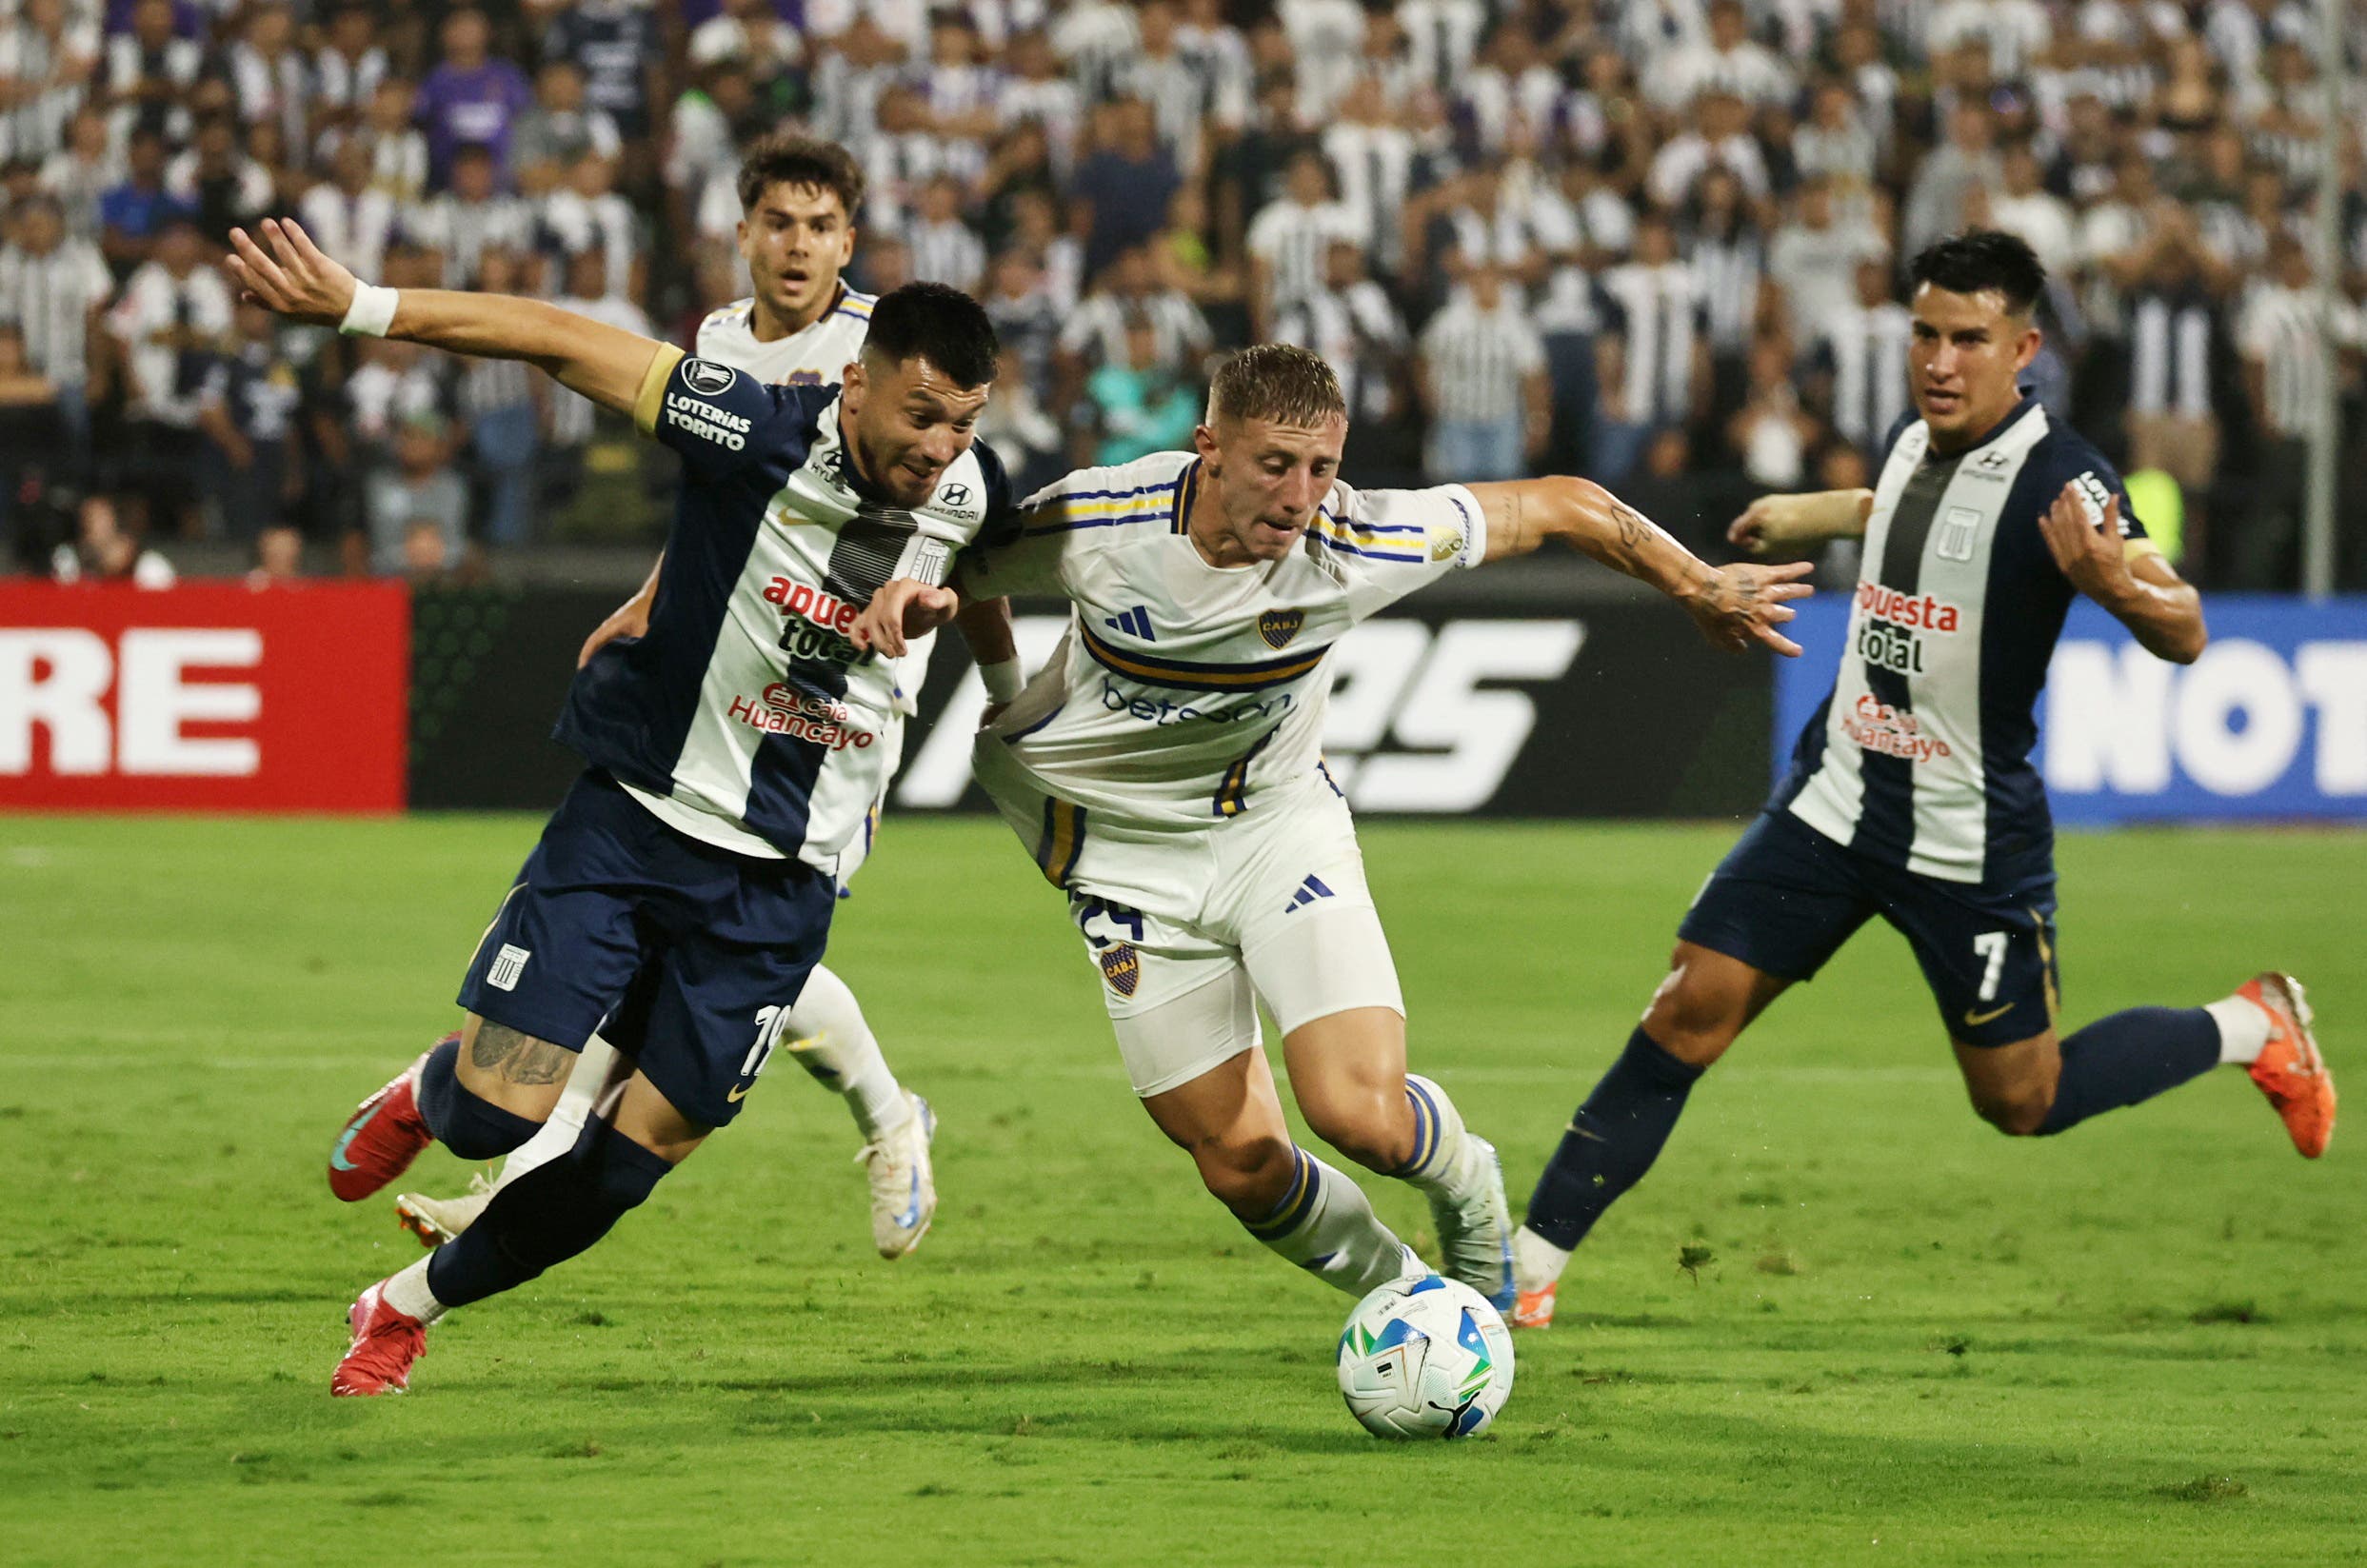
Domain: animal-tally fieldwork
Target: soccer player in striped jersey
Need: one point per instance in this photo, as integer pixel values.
(1165, 769)
(1911, 793)
(680, 896)
(800, 328)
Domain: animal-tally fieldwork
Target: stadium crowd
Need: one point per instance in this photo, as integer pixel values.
(1655, 242)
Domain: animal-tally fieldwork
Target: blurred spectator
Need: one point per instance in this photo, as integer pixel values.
(110, 547)
(1861, 354)
(2177, 358)
(1814, 260)
(1096, 331)
(502, 401)
(1771, 433)
(558, 131)
(32, 439)
(1120, 195)
(278, 558)
(172, 318)
(588, 214)
(614, 44)
(347, 217)
(81, 172)
(1026, 321)
(2290, 350)
(944, 249)
(459, 225)
(218, 182)
(349, 65)
(1718, 138)
(1965, 162)
(1357, 327)
(1141, 404)
(1652, 361)
(398, 151)
(1482, 379)
(269, 74)
(147, 72)
(2021, 205)
(470, 100)
(52, 289)
(416, 513)
(247, 407)
(1021, 430)
(135, 213)
(1289, 237)
(45, 59)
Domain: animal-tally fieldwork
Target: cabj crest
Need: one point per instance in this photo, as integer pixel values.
(1121, 966)
(1278, 627)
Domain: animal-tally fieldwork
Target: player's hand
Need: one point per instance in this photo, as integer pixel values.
(1783, 524)
(903, 607)
(2089, 551)
(1743, 605)
(289, 275)
(630, 619)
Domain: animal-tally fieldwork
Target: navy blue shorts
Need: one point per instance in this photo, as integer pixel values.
(692, 955)
(1787, 897)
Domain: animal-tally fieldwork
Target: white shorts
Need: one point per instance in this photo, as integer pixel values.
(1189, 930)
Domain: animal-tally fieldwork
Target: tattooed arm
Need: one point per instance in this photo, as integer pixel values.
(1734, 605)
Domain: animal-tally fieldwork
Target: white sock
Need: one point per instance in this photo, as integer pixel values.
(2244, 1028)
(594, 1066)
(1325, 1225)
(1444, 1161)
(830, 1040)
(1535, 1262)
(408, 1293)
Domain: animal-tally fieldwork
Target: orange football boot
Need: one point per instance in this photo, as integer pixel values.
(2290, 1071)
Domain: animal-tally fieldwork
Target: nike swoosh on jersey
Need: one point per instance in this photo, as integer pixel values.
(337, 1160)
(1978, 1019)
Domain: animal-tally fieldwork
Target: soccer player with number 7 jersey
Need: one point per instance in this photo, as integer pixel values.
(1164, 769)
(1912, 795)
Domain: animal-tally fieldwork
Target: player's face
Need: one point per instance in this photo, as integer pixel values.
(909, 421)
(1962, 361)
(1269, 477)
(796, 239)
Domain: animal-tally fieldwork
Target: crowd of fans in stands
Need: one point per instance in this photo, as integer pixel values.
(1655, 242)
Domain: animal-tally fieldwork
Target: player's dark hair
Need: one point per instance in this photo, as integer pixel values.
(1276, 381)
(1981, 259)
(783, 158)
(939, 324)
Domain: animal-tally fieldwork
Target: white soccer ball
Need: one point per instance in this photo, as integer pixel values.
(1429, 1358)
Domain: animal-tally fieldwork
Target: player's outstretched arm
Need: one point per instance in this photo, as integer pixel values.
(283, 269)
(2143, 592)
(1786, 525)
(1734, 605)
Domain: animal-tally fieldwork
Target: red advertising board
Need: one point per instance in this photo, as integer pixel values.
(203, 697)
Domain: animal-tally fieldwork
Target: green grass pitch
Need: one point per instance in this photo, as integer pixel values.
(1903, 1338)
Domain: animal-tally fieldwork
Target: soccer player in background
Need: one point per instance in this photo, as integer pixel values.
(1166, 767)
(802, 327)
(682, 890)
(1911, 793)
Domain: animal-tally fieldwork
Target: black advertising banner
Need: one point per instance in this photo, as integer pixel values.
(1446, 707)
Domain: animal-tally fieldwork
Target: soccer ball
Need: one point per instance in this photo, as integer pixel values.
(1425, 1359)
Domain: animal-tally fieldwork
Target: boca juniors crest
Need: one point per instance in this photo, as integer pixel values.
(1122, 967)
(1278, 627)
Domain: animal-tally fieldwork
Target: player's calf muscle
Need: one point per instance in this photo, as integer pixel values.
(510, 1069)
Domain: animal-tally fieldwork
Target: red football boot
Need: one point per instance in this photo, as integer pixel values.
(386, 1342)
(2290, 1071)
(382, 1137)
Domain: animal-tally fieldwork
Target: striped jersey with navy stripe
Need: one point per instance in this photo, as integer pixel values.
(1186, 695)
(1920, 757)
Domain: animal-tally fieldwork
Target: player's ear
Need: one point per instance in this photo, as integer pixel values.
(1204, 443)
(852, 383)
(2027, 349)
(846, 246)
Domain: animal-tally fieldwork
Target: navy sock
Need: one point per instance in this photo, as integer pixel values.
(470, 1127)
(1612, 1141)
(2128, 1057)
(546, 1216)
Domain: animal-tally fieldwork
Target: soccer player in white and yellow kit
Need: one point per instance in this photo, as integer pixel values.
(801, 327)
(1164, 769)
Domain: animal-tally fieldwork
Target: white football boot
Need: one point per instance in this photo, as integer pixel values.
(903, 1185)
(436, 1220)
(1475, 1225)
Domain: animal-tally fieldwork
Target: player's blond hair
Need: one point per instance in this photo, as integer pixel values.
(1276, 381)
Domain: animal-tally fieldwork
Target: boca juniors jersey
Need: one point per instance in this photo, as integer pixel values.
(816, 356)
(1185, 693)
(745, 717)
(1920, 757)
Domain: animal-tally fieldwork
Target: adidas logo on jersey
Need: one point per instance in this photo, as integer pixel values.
(1308, 892)
(1134, 623)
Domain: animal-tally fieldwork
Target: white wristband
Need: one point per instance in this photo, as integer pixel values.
(1004, 680)
(371, 312)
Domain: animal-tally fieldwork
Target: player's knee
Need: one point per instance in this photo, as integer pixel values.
(1250, 1174)
(2018, 1112)
(1692, 1022)
(1371, 1126)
